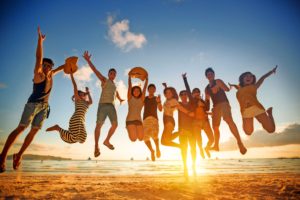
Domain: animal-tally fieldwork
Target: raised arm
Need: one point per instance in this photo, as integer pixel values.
(87, 91)
(207, 99)
(222, 85)
(159, 105)
(87, 57)
(145, 89)
(58, 69)
(75, 87)
(39, 53)
(261, 80)
(233, 86)
(185, 111)
(129, 88)
(187, 87)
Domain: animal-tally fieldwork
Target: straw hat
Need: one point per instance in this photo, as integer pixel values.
(138, 72)
(71, 65)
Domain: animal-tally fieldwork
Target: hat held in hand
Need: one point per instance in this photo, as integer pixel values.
(138, 72)
(71, 65)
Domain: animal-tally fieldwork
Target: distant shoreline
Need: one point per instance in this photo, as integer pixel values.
(39, 157)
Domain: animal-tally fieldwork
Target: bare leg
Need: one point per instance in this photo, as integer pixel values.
(267, 120)
(248, 125)
(110, 133)
(148, 144)
(184, 145)
(192, 142)
(236, 134)
(210, 136)
(132, 132)
(158, 154)
(97, 135)
(166, 138)
(198, 140)
(26, 143)
(53, 128)
(10, 140)
(217, 138)
(140, 132)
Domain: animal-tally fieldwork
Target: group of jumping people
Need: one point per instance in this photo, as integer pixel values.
(193, 111)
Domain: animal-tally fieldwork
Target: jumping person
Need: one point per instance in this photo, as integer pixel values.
(201, 121)
(249, 104)
(186, 136)
(36, 108)
(170, 105)
(76, 132)
(215, 90)
(135, 97)
(152, 103)
(106, 106)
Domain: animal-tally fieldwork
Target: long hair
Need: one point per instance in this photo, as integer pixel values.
(173, 90)
(241, 78)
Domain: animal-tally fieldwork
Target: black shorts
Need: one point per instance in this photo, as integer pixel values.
(134, 122)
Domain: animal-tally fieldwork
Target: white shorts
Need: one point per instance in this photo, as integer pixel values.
(252, 111)
(151, 128)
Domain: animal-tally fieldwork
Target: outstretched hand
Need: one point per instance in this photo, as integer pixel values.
(274, 69)
(184, 75)
(87, 90)
(41, 36)
(158, 100)
(87, 56)
(165, 85)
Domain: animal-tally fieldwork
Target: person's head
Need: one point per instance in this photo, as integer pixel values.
(136, 91)
(47, 65)
(247, 78)
(151, 89)
(81, 94)
(170, 93)
(183, 96)
(196, 93)
(210, 74)
(112, 73)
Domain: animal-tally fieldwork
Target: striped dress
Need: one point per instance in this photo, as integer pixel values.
(76, 132)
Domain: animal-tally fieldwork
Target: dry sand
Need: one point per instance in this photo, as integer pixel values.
(229, 186)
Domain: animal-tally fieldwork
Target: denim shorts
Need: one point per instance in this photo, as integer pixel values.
(106, 110)
(34, 113)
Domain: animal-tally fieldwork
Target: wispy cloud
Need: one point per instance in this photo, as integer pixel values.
(82, 76)
(3, 85)
(120, 34)
(260, 138)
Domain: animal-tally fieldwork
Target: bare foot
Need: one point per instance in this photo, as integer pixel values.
(270, 111)
(207, 151)
(158, 154)
(242, 148)
(215, 148)
(53, 128)
(2, 164)
(96, 152)
(152, 155)
(202, 153)
(16, 161)
(109, 145)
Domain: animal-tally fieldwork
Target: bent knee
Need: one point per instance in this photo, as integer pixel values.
(270, 129)
(248, 131)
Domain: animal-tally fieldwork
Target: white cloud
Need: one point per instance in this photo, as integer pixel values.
(122, 89)
(82, 76)
(3, 85)
(119, 33)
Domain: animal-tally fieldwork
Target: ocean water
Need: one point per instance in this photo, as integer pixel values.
(112, 167)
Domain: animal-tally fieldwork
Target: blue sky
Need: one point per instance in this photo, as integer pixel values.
(167, 37)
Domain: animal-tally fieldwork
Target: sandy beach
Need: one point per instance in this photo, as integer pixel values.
(227, 186)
